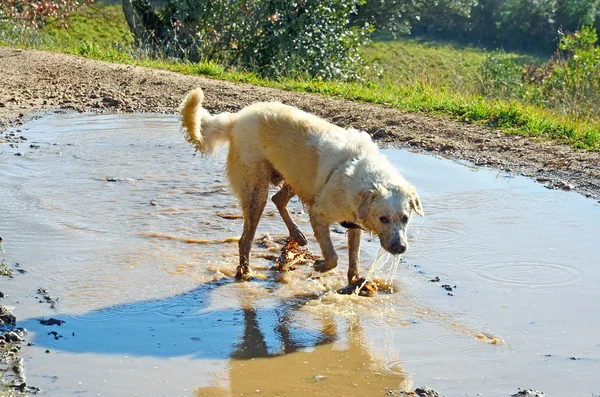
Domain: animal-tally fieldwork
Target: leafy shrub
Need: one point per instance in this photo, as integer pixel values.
(308, 38)
(500, 76)
(401, 16)
(574, 85)
(35, 13)
(528, 24)
(573, 14)
(568, 82)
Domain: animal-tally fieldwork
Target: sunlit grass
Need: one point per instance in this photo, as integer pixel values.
(405, 61)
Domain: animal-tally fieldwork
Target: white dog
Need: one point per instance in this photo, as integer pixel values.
(339, 174)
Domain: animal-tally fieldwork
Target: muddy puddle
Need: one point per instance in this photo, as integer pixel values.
(134, 240)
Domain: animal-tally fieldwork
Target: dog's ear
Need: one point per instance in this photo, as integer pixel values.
(415, 203)
(365, 198)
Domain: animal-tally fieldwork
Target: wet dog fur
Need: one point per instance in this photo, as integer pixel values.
(338, 173)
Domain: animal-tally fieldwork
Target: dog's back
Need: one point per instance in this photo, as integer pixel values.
(300, 146)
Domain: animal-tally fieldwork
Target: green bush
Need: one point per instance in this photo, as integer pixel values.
(574, 84)
(275, 38)
(500, 76)
(569, 82)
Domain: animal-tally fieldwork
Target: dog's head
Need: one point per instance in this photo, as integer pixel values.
(386, 211)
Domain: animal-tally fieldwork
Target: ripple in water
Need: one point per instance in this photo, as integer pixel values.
(510, 220)
(442, 230)
(398, 367)
(543, 330)
(572, 223)
(485, 354)
(109, 313)
(81, 256)
(455, 340)
(529, 273)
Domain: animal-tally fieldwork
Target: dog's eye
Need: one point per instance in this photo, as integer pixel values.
(404, 218)
(384, 219)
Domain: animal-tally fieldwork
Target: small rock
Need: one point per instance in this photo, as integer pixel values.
(12, 336)
(380, 133)
(528, 393)
(2, 295)
(52, 321)
(426, 392)
(6, 317)
(111, 101)
(369, 288)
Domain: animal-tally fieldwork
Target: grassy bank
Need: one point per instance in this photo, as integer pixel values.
(408, 75)
(443, 65)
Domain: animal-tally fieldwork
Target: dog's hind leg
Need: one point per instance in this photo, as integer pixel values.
(354, 236)
(253, 204)
(321, 230)
(281, 200)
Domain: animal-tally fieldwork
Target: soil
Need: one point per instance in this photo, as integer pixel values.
(36, 82)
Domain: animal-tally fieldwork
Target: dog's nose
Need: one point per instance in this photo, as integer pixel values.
(397, 248)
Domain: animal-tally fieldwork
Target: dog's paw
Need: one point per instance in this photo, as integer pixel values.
(323, 266)
(299, 237)
(360, 286)
(243, 274)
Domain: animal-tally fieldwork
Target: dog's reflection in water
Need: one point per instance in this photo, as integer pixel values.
(327, 366)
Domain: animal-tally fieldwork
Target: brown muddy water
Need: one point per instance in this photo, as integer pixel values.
(115, 217)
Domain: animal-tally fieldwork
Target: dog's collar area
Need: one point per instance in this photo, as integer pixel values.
(350, 225)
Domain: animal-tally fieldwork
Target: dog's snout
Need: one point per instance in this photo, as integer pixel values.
(397, 248)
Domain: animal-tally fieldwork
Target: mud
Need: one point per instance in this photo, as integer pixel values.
(35, 83)
(12, 372)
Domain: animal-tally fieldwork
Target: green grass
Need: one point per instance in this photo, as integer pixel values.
(104, 25)
(444, 65)
(416, 77)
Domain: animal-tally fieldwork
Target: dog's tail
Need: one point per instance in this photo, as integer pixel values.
(204, 131)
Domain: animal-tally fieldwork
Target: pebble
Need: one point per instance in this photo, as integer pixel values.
(528, 393)
(12, 336)
(52, 321)
(426, 392)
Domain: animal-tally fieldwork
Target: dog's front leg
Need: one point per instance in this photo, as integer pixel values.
(321, 230)
(354, 237)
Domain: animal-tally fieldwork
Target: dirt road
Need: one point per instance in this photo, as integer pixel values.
(36, 82)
